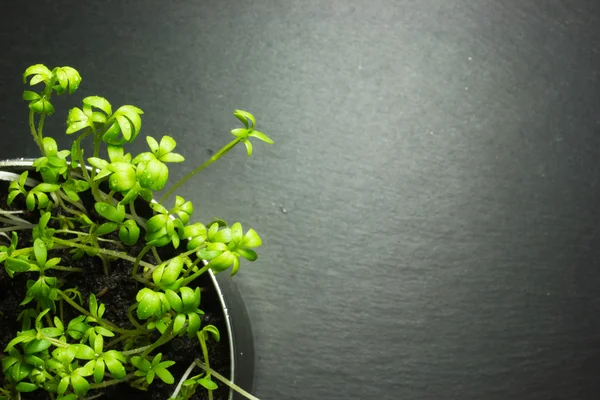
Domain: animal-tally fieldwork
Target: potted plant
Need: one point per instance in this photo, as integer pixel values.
(105, 289)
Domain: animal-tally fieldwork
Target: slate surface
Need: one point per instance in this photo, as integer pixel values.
(430, 210)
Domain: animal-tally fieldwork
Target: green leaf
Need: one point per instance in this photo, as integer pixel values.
(164, 375)
(222, 236)
(17, 340)
(172, 157)
(17, 265)
(111, 213)
(237, 233)
(106, 227)
(115, 153)
(246, 118)
(46, 187)
(172, 271)
(29, 95)
(240, 133)
(52, 332)
(103, 331)
(80, 384)
(141, 363)
(114, 365)
(99, 102)
(93, 305)
(73, 77)
(248, 254)
(149, 303)
(193, 324)
(35, 346)
(251, 239)
(213, 331)
(174, 301)
(99, 370)
(98, 344)
(261, 136)
(207, 383)
(167, 144)
(222, 262)
(248, 146)
(125, 127)
(84, 352)
(25, 387)
(34, 360)
(30, 201)
(38, 70)
(129, 232)
(40, 252)
(153, 144)
(178, 323)
(206, 254)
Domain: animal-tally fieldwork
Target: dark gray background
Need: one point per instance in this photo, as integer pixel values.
(430, 208)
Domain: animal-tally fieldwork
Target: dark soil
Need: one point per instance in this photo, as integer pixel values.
(117, 291)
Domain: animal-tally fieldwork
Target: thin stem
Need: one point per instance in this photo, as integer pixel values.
(132, 319)
(164, 338)
(11, 215)
(214, 158)
(59, 202)
(16, 228)
(73, 202)
(111, 253)
(14, 222)
(96, 396)
(111, 382)
(138, 261)
(190, 278)
(226, 381)
(69, 269)
(183, 379)
(156, 256)
(100, 321)
(86, 234)
(61, 309)
(135, 351)
(104, 263)
(34, 131)
(200, 336)
(55, 342)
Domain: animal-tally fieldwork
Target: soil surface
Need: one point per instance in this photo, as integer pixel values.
(117, 291)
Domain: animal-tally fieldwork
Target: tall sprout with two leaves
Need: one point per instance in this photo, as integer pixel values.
(87, 205)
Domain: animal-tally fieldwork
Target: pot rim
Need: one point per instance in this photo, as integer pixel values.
(245, 343)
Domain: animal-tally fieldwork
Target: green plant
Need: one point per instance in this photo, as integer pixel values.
(88, 206)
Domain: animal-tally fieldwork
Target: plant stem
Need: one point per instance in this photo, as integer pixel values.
(214, 158)
(164, 338)
(132, 319)
(69, 269)
(156, 256)
(138, 261)
(111, 253)
(190, 278)
(183, 378)
(111, 382)
(73, 202)
(16, 228)
(134, 351)
(226, 381)
(34, 131)
(200, 336)
(100, 321)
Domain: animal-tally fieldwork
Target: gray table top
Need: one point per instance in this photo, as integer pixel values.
(430, 208)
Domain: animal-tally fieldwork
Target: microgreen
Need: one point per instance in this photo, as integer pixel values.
(86, 205)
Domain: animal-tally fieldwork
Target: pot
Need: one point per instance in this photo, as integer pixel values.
(237, 321)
